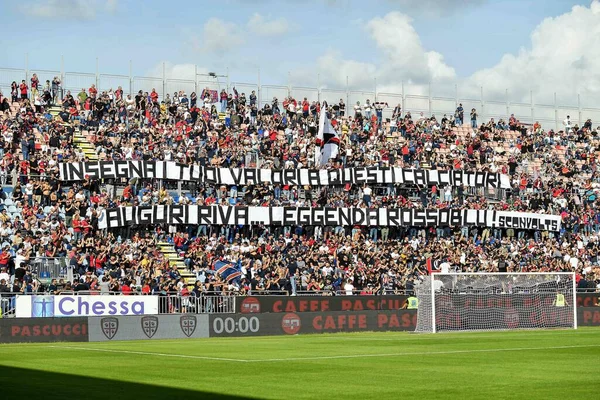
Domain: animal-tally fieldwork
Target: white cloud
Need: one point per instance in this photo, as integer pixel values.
(219, 35)
(262, 26)
(561, 58)
(403, 57)
(67, 9)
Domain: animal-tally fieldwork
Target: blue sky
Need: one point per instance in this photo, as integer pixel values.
(473, 42)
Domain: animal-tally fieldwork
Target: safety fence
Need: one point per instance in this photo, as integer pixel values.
(112, 318)
(427, 98)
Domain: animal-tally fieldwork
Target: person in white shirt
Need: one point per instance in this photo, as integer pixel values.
(348, 287)
(567, 124)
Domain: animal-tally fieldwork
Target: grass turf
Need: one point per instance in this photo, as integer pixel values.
(557, 364)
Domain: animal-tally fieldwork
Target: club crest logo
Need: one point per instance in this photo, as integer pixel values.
(188, 324)
(149, 325)
(110, 327)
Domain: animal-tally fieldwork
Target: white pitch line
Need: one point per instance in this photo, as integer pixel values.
(425, 353)
(144, 353)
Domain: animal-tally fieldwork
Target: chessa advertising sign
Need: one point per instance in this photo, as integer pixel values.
(84, 305)
(311, 322)
(18, 330)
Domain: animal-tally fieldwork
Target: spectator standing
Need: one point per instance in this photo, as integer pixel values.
(473, 118)
(55, 89)
(23, 89)
(35, 83)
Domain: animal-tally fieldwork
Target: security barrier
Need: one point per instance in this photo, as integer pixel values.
(23, 330)
(311, 322)
(103, 329)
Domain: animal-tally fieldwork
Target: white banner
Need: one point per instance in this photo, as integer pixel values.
(33, 306)
(252, 176)
(306, 216)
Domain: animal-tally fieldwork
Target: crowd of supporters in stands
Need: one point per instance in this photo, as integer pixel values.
(551, 171)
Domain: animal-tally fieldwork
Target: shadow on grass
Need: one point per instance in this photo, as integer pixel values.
(21, 383)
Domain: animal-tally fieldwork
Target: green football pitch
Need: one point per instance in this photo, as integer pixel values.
(556, 364)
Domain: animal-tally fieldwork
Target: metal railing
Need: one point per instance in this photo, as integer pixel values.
(427, 98)
(51, 267)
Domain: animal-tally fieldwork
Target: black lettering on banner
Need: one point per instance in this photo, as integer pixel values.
(372, 174)
(136, 170)
(406, 215)
(347, 176)
(303, 215)
(290, 177)
(236, 175)
(144, 215)
(314, 177)
(76, 171)
(444, 177)
(113, 217)
(456, 218)
(331, 217)
(458, 178)
(501, 222)
(201, 177)
(419, 177)
(212, 175)
(392, 217)
(151, 169)
(359, 216)
(108, 170)
(360, 175)
(333, 177)
(419, 218)
(160, 215)
(241, 215)
(276, 176)
(121, 169)
(345, 217)
(443, 217)
(317, 216)
(205, 216)
(431, 216)
(289, 216)
(372, 216)
(179, 215)
(480, 179)
(408, 176)
(224, 213)
(250, 176)
(492, 180)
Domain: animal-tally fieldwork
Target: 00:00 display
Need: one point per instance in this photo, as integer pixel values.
(230, 325)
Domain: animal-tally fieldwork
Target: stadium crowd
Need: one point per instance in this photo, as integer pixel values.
(551, 172)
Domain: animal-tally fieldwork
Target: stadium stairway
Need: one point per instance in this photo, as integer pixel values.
(168, 250)
(80, 138)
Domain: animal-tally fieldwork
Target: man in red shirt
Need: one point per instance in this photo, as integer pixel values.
(23, 87)
(93, 91)
(154, 96)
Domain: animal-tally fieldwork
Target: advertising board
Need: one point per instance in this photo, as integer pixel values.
(299, 304)
(22, 330)
(28, 306)
(173, 326)
(291, 323)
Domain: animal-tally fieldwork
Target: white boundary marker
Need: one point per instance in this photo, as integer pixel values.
(405, 354)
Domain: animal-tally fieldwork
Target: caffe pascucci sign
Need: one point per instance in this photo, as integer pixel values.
(252, 176)
(315, 216)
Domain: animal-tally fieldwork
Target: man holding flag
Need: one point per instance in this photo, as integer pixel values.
(328, 140)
